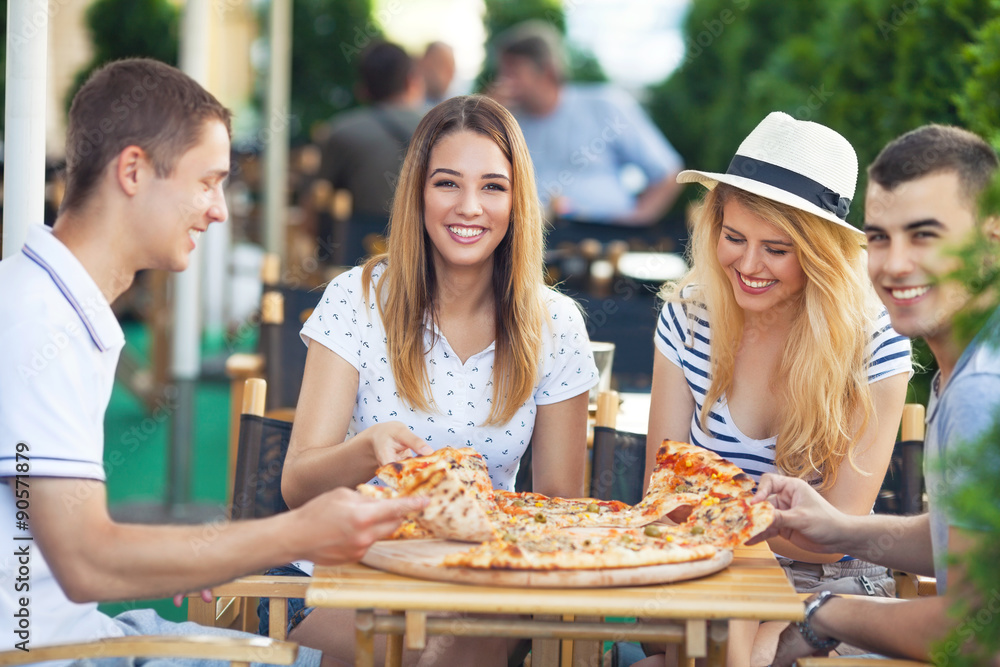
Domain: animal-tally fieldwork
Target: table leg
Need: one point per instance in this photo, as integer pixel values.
(587, 653)
(694, 639)
(718, 640)
(364, 643)
(416, 630)
(394, 646)
(545, 652)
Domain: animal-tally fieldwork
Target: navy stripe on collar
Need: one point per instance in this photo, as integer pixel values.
(88, 325)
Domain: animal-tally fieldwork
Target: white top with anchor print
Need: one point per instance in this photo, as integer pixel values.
(462, 393)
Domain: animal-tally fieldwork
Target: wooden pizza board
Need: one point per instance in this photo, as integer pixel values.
(422, 559)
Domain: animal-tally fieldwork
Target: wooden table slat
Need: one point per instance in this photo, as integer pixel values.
(753, 587)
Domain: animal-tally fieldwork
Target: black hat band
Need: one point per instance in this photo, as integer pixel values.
(792, 182)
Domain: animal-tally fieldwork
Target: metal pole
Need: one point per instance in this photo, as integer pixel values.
(276, 148)
(24, 135)
(185, 364)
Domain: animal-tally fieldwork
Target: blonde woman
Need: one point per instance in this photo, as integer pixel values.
(449, 338)
(774, 350)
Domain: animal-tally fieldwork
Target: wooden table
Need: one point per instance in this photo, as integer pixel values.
(695, 614)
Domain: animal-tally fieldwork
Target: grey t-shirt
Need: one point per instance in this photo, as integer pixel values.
(961, 414)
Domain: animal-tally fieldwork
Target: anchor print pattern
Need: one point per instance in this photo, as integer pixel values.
(462, 393)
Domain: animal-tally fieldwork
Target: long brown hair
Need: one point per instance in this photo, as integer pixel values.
(406, 291)
(824, 369)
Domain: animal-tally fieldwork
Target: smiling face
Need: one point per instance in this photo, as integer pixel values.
(910, 231)
(467, 200)
(759, 260)
(177, 208)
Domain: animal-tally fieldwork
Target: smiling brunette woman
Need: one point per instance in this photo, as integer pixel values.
(449, 338)
(774, 350)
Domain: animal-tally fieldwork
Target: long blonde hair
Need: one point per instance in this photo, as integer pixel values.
(824, 367)
(407, 288)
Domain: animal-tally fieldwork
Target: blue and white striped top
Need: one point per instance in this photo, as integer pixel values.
(889, 353)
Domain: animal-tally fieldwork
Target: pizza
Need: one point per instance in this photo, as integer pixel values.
(559, 512)
(590, 549)
(457, 487)
(531, 531)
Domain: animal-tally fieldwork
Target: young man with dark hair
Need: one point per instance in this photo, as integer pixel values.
(921, 204)
(363, 148)
(147, 157)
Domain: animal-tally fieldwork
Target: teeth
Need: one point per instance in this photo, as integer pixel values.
(756, 283)
(466, 232)
(194, 234)
(904, 294)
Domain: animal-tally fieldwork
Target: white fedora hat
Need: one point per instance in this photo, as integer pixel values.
(795, 162)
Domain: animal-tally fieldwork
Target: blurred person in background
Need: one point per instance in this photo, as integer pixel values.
(363, 149)
(438, 67)
(582, 136)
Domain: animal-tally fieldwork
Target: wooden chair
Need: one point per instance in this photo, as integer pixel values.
(256, 493)
(280, 356)
(903, 489)
(238, 652)
(619, 458)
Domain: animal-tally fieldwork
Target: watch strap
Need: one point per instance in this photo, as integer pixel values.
(806, 630)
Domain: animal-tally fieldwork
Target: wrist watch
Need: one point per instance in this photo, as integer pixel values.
(805, 629)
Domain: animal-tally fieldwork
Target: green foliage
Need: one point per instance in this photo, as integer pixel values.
(328, 38)
(979, 106)
(703, 107)
(980, 269)
(129, 29)
(870, 69)
(503, 14)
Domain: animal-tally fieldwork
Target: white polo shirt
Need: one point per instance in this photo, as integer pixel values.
(60, 344)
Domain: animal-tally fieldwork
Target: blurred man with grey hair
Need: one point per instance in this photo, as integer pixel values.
(582, 136)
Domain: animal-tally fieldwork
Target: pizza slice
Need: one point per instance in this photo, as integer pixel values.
(457, 486)
(683, 468)
(721, 522)
(468, 463)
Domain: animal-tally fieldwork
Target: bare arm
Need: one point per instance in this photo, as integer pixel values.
(319, 458)
(653, 203)
(93, 558)
(671, 407)
(903, 628)
(855, 491)
(559, 447)
(806, 520)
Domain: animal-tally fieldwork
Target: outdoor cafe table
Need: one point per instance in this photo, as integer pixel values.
(693, 613)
